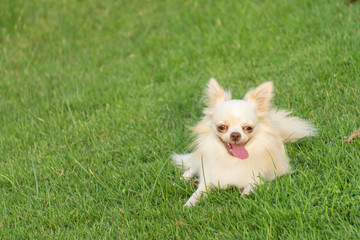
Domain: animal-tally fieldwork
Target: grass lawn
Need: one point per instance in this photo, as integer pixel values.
(96, 95)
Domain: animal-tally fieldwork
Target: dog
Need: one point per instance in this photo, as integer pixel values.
(240, 142)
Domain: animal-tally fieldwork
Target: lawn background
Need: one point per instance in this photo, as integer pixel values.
(96, 95)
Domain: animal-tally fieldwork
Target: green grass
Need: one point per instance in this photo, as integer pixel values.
(96, 95)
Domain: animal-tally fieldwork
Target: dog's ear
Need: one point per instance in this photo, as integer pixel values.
(261, 97)
(214, 94)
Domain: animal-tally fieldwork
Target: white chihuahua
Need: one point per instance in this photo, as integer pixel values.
(238, 142)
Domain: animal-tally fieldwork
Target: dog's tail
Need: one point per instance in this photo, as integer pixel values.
(183, 160)
(290, 128)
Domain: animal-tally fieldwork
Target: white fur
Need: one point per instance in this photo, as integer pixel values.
(212, 163)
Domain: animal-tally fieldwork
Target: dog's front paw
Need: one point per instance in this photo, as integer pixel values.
(196, 196)
(188, 204)
(247, 190)
(191, 202)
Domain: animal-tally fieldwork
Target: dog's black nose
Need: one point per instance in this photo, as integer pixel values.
(235, 136)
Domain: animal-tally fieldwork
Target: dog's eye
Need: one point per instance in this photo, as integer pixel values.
(248, 129)
(222, 128)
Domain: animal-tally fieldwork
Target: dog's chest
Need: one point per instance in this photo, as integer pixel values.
(228, 171)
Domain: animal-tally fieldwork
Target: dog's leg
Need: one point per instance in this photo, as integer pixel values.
(196, 196)
(188, 175)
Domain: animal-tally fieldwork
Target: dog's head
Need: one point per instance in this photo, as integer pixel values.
(235, 122)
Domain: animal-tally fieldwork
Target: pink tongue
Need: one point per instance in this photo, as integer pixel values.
(239, 151)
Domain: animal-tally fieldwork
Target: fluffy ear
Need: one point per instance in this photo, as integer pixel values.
(261, 97)
(215, 94)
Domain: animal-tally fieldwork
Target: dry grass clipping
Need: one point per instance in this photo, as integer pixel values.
(355, 134)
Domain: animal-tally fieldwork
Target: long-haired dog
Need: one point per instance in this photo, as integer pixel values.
(240, 142)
